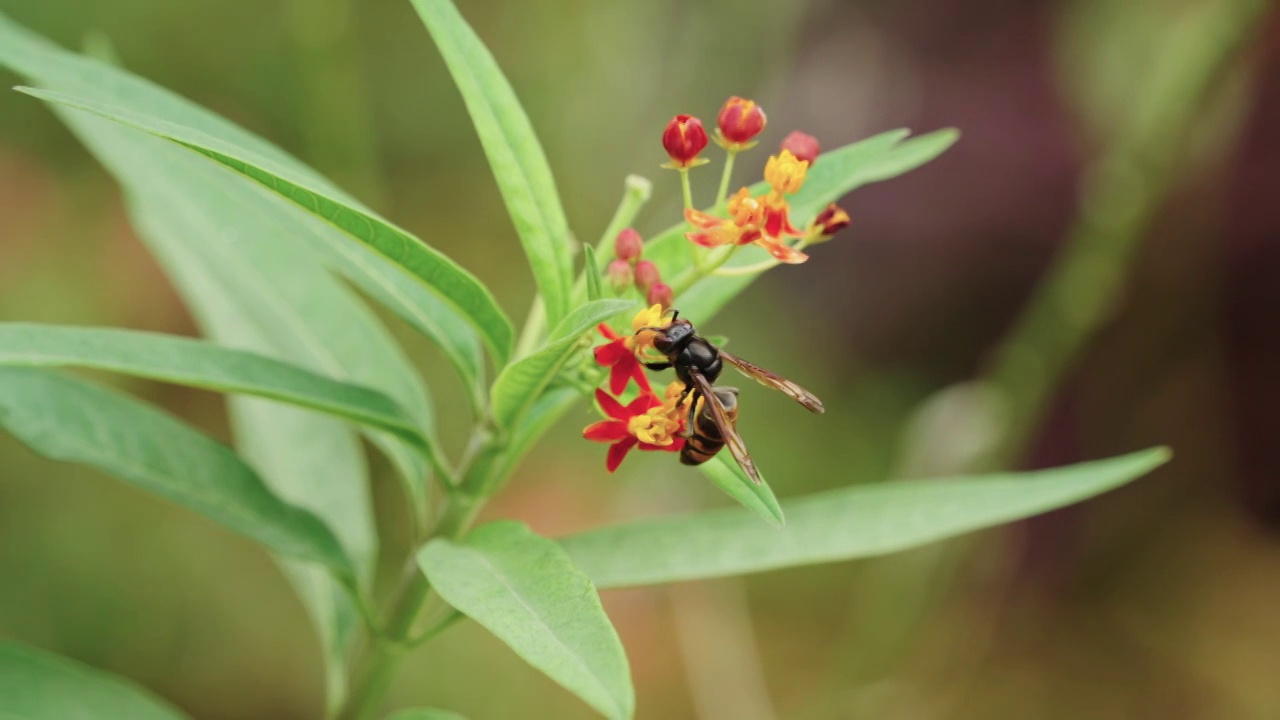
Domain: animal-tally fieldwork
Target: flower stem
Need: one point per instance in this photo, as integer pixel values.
(686, 189)
(722, 195)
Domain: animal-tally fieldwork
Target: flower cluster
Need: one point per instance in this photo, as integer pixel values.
(647, 422)
(763, 220)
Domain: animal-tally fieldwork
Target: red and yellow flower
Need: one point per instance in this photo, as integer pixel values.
(739, 121)
(622, 353)
(646, 422)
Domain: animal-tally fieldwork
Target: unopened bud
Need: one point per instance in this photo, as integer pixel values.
(646, 275)
(628, 245)
(660, 293)
(803, 145)
(740, 120)
(619, 275)
(683, 138)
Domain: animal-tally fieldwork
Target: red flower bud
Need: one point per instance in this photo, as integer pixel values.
(831, 220)
(660, 293)
(646, 275)
(619, 275)
(683, 139)
(628, 245)
(740, 120)
(803, 145)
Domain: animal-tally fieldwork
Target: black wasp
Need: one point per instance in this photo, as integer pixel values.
(712, 424)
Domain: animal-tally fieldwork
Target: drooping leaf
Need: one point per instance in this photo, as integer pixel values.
(425, 714)
(758, 498)
(39, 685)
(856, 522)
(514, 154)
(453, 283)
(251, 266)
(75, 421)
(204, 365)
(518, 386)
(591, 270)
(834, 175)
(524, 589)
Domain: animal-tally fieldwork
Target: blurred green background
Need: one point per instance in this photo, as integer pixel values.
(1155, 601)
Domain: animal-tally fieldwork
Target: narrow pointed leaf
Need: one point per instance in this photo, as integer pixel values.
(855, 522)
(39, 685)
(57, 69)
(525, 590)
(591, 270)
(204, 365)
(758, 498)
(515, 156)
(75, 421)
(454, 284)
(834, 175)
(519, 385)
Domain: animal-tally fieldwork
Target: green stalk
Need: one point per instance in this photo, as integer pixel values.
(722, 194)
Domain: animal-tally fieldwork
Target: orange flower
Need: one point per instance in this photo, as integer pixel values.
(645, 423)
(748, 224)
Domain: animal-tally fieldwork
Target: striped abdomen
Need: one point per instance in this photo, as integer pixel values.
(704, 439)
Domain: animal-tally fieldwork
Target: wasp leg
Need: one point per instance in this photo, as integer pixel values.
(658, 365)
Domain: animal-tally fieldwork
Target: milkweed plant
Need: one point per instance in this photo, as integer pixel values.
(262, 250)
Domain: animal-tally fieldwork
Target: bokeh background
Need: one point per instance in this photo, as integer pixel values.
(1157, 601)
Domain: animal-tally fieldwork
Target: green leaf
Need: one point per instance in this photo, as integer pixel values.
(591, 270)
(524, 589)
(75, 421)
(758, 498)
(519, 385)
(454, 284)
(844, 524)
(425, 714)
(514, 154)
(39, 685)
(833, 176)
(254, 269)
(200, 364)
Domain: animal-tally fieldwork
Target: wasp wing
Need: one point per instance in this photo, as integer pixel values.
(725, 425)
(775, 381)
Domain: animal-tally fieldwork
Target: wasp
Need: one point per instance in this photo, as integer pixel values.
(713, 411)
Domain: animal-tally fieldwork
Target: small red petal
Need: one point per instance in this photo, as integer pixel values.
(611, 353)
(611, 406)
(606, 431)
(608, 332)
(705, 239)
(641, 379)
(641, 404)
(619, 376)
(617, 452)
(781, 252)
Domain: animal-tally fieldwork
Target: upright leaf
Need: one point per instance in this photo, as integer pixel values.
(75, 421)
(591, 271)
(855, 522)
(200, 364)
(454, 284)
(524, 589)
(514, 154)
(519, 385)
(39, 685)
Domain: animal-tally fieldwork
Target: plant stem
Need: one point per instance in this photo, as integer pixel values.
(686, 189)
(1127, 187)
(722, 194)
